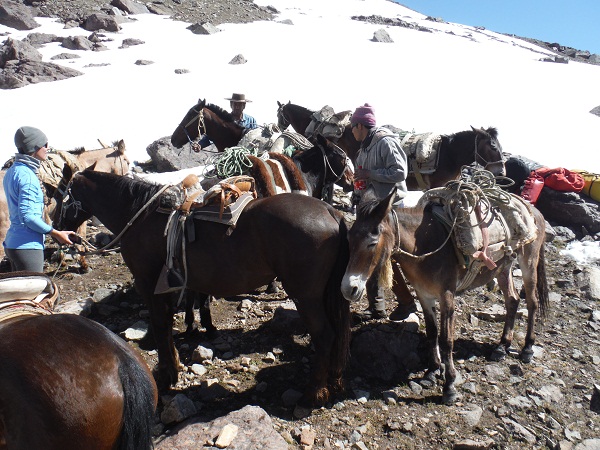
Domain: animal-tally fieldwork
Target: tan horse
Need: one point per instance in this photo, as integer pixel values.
(108, 159)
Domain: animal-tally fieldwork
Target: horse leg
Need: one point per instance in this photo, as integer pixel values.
(447, 319)
(203, 301)
(81, 232)
(322, 336)
(528, 264)
(511, 303)
(431, 331)
(161, 317)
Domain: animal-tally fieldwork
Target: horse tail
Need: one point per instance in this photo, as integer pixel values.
(542, 285)
(338, 308)
(138, 404)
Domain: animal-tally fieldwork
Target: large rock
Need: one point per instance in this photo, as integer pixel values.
(16, 15)
(167, 158)
(254, 430)
(130, 7)
(18, 74)
(569, 209)
(15, 50)
(388, 352)
(100, 21)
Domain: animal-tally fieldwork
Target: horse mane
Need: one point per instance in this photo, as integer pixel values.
(299, 108)
(220, 112)
(492, 131)
(140, 191)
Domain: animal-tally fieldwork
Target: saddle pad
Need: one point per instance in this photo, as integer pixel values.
(423, 149)
(22, 288)
(231, 213)
(328, 123)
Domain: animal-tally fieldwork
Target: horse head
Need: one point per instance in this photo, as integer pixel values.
(338, 167)
(371, 240)
(189, 128)
(282, 121)
(488, 151)
(68, 213)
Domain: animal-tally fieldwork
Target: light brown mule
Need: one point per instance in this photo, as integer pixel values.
(382, 232)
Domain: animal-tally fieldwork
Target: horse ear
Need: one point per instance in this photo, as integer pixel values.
(121, 146)
(279, 104)
(67, 172)
(92, 167)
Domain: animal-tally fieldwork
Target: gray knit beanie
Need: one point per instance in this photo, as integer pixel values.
(29, 140)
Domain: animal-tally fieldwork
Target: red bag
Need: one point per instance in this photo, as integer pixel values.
(561, 179)
(532, 187)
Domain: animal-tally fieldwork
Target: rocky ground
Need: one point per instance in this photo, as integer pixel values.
(262, 357)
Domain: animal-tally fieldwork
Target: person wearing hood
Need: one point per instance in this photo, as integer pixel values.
(382, 164)
(24, 242)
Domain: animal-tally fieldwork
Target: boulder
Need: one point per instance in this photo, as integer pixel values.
(569, 209)
(18, 74)
(254, 430)
(167, 158)
(15, 50)
(16, 15)
(130, 7)
(98, 21)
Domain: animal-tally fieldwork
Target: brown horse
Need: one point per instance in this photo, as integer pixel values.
(211, 120)
(298, 239)
(456, 150)
(109, 159)
(67, 382)
(382, 232)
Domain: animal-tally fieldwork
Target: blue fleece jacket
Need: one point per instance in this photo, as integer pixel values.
(25, 205)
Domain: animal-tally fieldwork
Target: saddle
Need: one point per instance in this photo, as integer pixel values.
(26, 294)
(222, 203)
(327, 123)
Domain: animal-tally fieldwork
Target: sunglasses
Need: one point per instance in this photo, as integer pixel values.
(354, 126)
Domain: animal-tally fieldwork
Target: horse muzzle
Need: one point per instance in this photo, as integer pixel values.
(353, 287)
(497, 168)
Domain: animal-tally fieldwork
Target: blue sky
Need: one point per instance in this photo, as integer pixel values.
(574, 23)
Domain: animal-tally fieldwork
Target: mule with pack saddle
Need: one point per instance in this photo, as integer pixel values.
(457, 238)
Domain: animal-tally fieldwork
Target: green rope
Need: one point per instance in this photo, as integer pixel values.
(233, 161)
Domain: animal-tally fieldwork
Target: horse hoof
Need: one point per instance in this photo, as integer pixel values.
(499, 354)
(450, 397)
(527, 356)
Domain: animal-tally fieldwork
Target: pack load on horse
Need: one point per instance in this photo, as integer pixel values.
(457, 238)
(298, 239)
(67, 381)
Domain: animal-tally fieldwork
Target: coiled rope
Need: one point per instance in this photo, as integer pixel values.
(233, 161)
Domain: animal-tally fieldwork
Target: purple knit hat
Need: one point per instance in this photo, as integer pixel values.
(365, 115)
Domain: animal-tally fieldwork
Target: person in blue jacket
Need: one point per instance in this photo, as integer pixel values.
(238, 104)
(24, 242)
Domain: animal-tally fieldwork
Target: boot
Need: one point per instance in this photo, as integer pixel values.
(406, 306)
(376, 308)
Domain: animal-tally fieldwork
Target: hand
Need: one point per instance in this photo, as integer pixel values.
(63, 237)
(362, 174)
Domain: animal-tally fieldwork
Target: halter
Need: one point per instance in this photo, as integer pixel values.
(201, 128)
(486, 162)
(281, 114)
(327, 165)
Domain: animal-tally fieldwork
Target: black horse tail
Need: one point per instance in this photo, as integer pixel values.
(138, 404)
(542, 285)
(338, 308)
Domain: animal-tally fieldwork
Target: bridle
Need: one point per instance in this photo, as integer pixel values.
(201, 128)
(327, 165)
(67, 201)
(285, 122)
(478, 155)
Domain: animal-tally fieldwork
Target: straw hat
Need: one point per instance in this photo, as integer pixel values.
(241, 98)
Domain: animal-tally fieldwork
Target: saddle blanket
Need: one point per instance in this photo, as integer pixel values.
(423, 150)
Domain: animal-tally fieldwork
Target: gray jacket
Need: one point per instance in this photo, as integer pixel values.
(382, 154)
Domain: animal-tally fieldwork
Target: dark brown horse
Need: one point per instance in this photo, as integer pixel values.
(298, 239)
(67, 382)
(211, 120)
(382, 232)
(456, 150)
